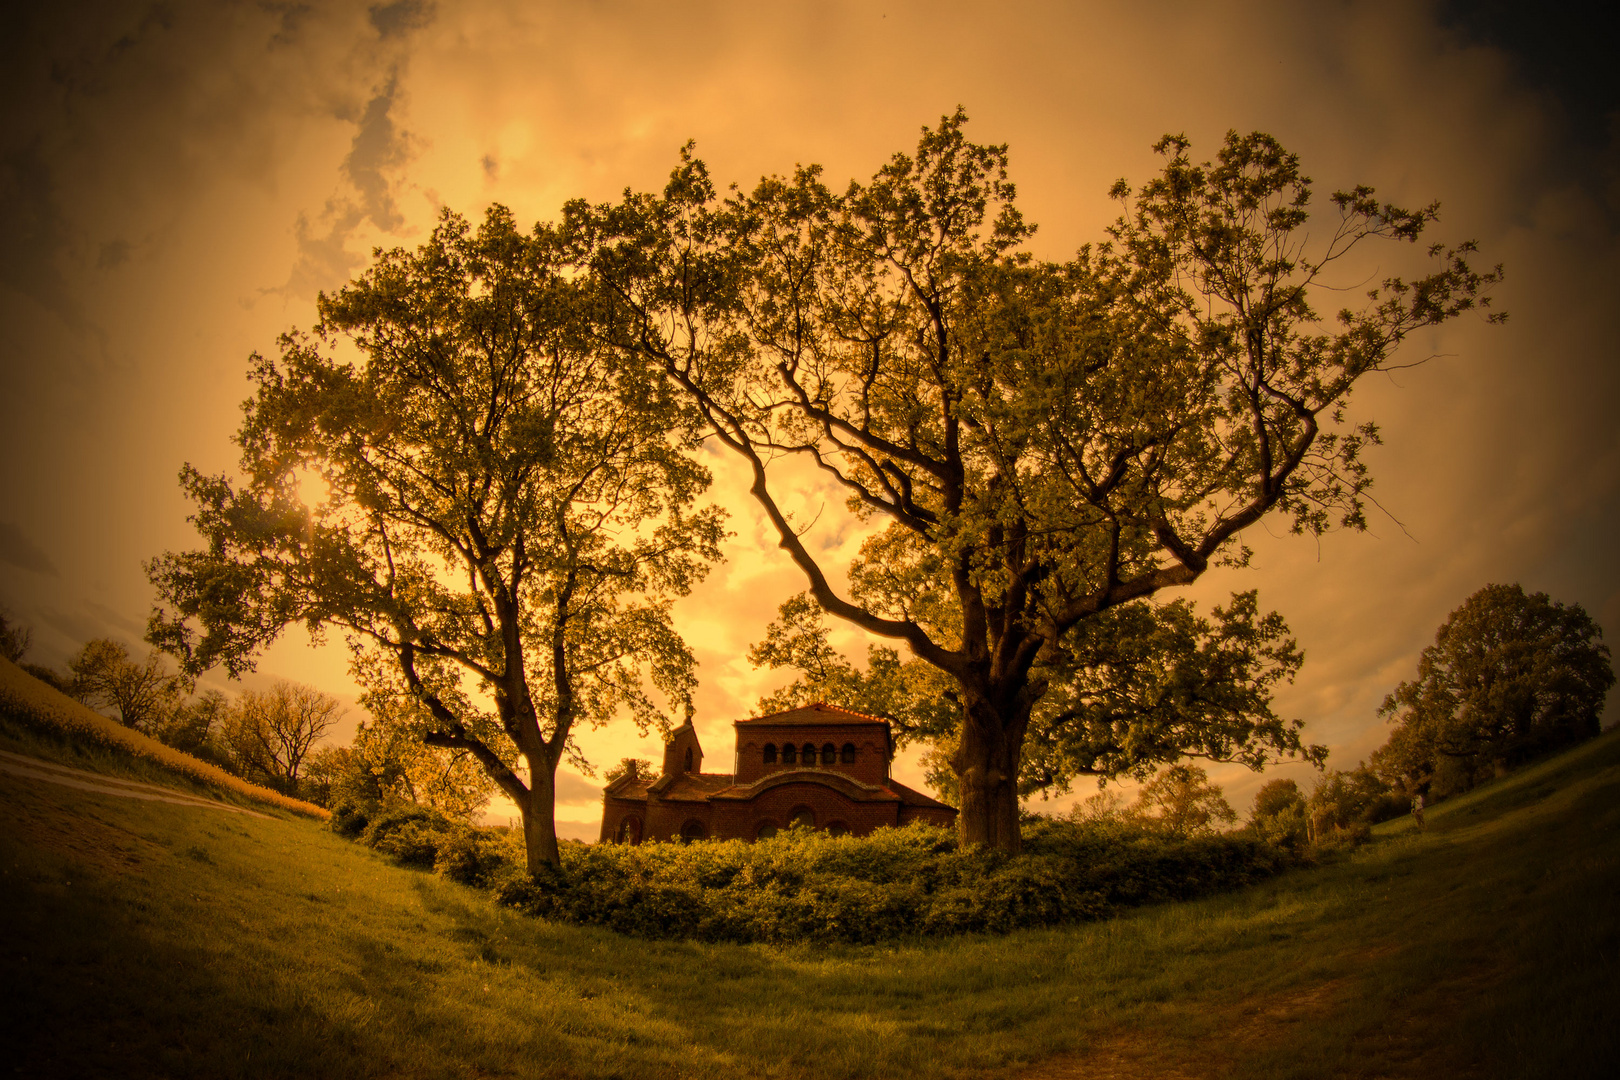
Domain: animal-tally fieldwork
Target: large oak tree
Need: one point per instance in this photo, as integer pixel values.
(1041, 442)
(510, 513)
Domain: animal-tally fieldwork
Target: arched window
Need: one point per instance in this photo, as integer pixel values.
(688, 759)
(837, 828)
(802, 816)
(790, 754)
(693, 830)
(770, 753)
(829, 754)
(849, 753)
(809, 753)
(629, 831)
(766, 830)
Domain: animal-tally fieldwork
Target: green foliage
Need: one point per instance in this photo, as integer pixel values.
(197, 726)
(635, 766)
(350, 818)
(1183, 802)
(1509, 677)
(1280, 815)
(1045, 442)
(1277, 797)
(1343, 806)
(510, 509)
(803, 885)
(411, 835)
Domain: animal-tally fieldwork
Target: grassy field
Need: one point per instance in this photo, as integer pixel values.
(145, 939)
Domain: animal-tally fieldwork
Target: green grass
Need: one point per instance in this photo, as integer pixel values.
(143, 939)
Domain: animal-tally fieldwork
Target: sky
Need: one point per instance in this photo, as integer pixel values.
(179, 180)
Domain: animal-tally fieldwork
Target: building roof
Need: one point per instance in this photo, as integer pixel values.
(815, 714)
(913, 797)
(686, 787)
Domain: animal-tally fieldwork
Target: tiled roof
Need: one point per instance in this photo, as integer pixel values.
(627, 787)
(691, 787)
(912, 797)
(817, 713)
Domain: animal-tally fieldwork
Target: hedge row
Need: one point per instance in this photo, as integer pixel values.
(806, 886)
(47, 710)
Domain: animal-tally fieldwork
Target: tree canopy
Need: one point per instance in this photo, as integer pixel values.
(143, 694)
(1510, 675)
(269, 734)
(1038, 443)
(511, 509)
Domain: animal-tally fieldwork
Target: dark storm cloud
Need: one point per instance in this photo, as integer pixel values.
(400, 18)
(18, 550)
(378, 154)
(379, 149)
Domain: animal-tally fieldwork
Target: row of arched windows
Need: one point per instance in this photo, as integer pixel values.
(793, 755)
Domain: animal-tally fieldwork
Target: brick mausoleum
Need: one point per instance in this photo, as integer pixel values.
(827, 768)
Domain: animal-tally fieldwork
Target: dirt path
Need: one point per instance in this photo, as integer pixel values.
(51, 773)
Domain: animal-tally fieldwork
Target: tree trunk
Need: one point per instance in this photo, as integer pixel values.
(986, 763)
(539, 812)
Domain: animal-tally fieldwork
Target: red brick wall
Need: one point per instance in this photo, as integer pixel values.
(741, 820)
(615, 811)
(735, 820)
(666, 819)
(871, 750)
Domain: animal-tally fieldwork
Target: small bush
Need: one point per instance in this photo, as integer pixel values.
(349, 819)
(470, 857)
(411, 835)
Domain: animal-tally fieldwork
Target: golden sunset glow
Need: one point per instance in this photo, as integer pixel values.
(181, 183)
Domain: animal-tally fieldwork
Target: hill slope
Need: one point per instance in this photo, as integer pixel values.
(152, 939)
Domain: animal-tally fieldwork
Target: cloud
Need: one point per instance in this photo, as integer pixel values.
(379, 149)
(573, 788)
(401, 17)
(23, 553)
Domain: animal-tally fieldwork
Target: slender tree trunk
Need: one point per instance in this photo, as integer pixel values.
(986, 762)
(540, 816)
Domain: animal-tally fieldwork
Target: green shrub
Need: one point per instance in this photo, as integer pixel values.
(806, 886)
(471, 857)
(410, 834)
(349, 819)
